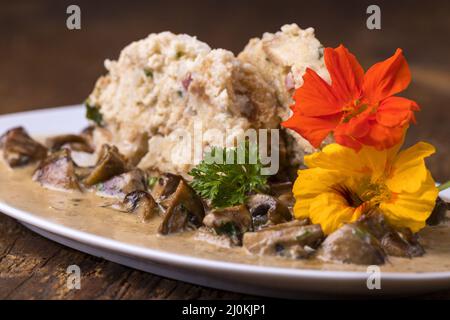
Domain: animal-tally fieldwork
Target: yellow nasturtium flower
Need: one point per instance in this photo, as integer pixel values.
(341, 184)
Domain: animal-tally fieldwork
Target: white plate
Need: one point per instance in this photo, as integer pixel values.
(246, 278)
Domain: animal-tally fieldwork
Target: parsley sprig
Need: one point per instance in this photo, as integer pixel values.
(228, 183)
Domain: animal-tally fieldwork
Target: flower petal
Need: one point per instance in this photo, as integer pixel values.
(369, 161)
(396, 111)
(386, 78)
(331, 211)
(408, 171)
(348, 141)
(315, 97)
(382, 137)
(313, 129)
(309, 184)
(347, 133)
(410, 210)
(334, 157)
(346, 73)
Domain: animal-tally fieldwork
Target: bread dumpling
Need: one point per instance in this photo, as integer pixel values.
(282, 58)
(167, 85)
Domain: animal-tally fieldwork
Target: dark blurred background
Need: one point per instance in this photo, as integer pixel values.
(43, 64)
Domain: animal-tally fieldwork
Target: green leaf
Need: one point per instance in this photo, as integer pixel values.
(152, 181)
(226, 184)
(93, 113)
(179, 54)
(148, 73)
(444, 186)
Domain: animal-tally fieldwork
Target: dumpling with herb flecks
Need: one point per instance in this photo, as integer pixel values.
(166, 84)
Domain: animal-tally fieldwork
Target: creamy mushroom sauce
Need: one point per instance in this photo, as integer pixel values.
(84, 212)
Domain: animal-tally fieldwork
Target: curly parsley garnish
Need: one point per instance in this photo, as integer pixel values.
(227, 184)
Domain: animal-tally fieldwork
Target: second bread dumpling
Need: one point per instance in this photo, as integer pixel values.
(282, 59)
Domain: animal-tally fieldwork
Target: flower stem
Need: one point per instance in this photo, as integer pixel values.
(444, 186)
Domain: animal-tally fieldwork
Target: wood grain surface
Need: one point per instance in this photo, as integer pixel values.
(42, 64)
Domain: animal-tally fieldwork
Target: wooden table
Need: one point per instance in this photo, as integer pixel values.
(43, 64)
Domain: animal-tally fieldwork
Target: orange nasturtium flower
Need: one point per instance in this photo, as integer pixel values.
(360, 109)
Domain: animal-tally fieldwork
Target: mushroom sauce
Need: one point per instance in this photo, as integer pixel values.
(88, 212)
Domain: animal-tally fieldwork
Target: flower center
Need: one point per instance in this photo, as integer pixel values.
(375, 193)
(368, 193)
(350, 196)
(355, 108)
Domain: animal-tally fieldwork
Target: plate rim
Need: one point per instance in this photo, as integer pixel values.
(138, 251)
(186, 260)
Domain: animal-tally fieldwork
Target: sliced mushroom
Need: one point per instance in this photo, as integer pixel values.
(283, 192)
(20, 149)
(267, 210)
(439, 213)
(205, 234)
(165, 186)
(88, 135)
(70, 141)
(109, 164)
(82, 172)
(288, 200)
(57, 171)
(295, 239)
(280, 188)
(352, 244)
(394, 241)
(121, 185)
(184, 211)
(79, 147)
(142, 204)
(232, 222)
(369, 240)
(402, 244)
